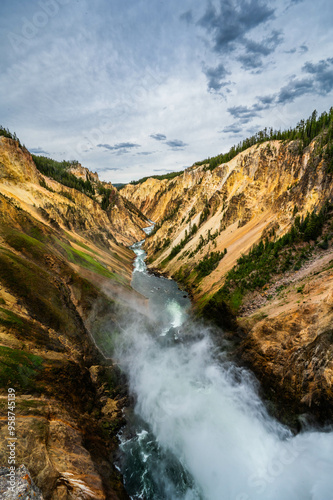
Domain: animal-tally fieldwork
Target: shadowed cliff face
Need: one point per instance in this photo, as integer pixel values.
(283, 330)
(288, 342)
(64, 276)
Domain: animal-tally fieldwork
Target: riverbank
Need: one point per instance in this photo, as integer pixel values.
(199, 428)
(64, 277)
(282, 333)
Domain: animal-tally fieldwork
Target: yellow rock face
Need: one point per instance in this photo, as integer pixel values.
(16, 164)
(256, 192)
(287, 340)
(64, 269)
(20, 180)
(291, 348)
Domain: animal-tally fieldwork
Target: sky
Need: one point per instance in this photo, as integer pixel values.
(143, 87)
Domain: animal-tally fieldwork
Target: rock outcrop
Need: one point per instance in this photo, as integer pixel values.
(283, 331)
(259, 190)
(288, 342)
(64, 276)
(22, 485)
(67, 207)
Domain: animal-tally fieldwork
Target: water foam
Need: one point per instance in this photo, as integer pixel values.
(202, 431)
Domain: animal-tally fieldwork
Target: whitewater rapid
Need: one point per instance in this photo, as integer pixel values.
(199, 429)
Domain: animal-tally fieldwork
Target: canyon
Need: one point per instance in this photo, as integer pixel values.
(65, 281)
(64, 270)
(281, 328)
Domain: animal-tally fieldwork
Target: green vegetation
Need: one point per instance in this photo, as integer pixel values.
(6, 133)
(27, 330)
(25, 244)
(18, 369)
(34, 246)
(85, 260)
(88, 262)
(8, 318)
(168, 176)
(176, 249)
(305, 131)
(67, 195)
(329, 154)
(161, 245)
(324, 244)
(109, 197)
(106, 339)
(45, 186)
(44, 296)
(59, 172)
(132, 208)
(204, 214)
(77, 242)
(268, 258)
(190, 215)
(204, 241)
(33, 230)
(209, 263)
(169, 215)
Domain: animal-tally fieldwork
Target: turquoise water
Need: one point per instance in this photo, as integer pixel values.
(199, 429)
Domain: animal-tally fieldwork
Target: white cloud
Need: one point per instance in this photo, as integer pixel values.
(115, 73)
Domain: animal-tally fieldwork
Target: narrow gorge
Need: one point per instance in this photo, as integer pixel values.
(199, 429)
(172, 339)
(250, 240)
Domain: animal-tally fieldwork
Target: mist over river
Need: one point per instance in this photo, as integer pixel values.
(199, 429)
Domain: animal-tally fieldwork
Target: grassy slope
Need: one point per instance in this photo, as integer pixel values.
(269, 260)
(45, 304)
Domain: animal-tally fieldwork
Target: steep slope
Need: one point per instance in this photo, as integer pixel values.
(288, 341)
(229, 208)
(64, 277)
(125, 221)
(84, 203)
(273, 203)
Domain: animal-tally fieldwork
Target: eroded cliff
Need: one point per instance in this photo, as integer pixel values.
(272, 203)
(64, 276)
(229, 208)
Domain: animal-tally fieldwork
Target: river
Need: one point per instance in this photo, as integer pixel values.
(199, 430)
